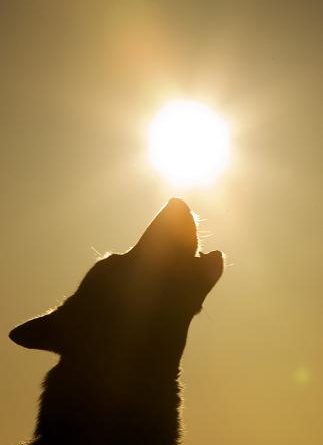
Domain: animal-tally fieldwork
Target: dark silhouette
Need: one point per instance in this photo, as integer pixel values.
(120, 338)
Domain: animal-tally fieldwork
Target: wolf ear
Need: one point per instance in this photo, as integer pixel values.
(38, 333)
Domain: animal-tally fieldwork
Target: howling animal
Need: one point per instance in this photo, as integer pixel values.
(120, 338)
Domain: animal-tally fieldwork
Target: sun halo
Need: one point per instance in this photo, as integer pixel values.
(188, 143)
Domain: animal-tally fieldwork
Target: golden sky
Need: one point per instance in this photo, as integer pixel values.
(80, 80)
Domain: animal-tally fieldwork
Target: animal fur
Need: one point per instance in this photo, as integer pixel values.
(120, 339)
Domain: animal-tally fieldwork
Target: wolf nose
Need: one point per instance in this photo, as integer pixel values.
(178, 204)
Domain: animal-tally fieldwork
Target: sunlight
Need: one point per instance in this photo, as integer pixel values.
(302, 376)
(189, 143)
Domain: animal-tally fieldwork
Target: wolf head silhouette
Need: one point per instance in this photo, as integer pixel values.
(120, 338)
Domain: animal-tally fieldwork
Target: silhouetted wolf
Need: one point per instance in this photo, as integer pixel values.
(120, 338)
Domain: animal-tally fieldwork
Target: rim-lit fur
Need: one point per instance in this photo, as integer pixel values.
(120, 339)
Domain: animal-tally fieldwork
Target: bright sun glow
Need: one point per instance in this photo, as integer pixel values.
(188, 143)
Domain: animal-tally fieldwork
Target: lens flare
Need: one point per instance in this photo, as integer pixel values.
(189, 143)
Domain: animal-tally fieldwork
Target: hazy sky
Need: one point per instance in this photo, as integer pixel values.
(80, 81)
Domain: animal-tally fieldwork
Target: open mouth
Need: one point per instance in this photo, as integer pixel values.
(212, 266)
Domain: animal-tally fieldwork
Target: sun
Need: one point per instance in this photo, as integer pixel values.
(189, 143)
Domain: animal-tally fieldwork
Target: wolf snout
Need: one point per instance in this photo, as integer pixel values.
(172, 232)
(178, 204)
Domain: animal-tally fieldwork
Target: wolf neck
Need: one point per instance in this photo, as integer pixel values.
(109, 408)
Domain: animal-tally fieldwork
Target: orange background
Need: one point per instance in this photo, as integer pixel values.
(80, 81)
